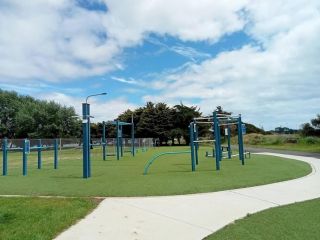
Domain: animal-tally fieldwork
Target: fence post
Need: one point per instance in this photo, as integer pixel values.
(55, 153)
(24, 158)
(5, 157)
(39, 154)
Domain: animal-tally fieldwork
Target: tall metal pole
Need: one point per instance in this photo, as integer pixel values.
(229, 141)
(196, 144)
(89, 140)
(132, 137)
(216, 138)
(24, 158)
(118, 140)
(5, 157)
(85, 139)
(104, 140)
(39, 154)
(121, 141)
(193, 165)
(55, 153)
(240, 140)
(86, 136)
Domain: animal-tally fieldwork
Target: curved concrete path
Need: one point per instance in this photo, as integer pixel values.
(189, 216)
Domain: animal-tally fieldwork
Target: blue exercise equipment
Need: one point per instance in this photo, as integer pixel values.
(216, 121)
(26, 149)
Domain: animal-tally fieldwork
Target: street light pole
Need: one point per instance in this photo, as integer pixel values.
(86, 136)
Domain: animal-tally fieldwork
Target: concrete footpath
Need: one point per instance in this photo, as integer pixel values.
(190, 216)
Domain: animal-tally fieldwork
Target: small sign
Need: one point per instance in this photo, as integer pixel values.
(226, 132)
(244, 130)
(85, 121)
(27, 148)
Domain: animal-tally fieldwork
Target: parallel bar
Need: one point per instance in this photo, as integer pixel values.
(226, 124)
(204, 122)
(199, 141)
(203, 118)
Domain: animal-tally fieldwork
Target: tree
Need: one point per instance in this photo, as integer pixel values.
(316, 122)
(312, 129)
(182, 116)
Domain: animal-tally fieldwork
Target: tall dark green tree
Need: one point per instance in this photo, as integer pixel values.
(182, 116)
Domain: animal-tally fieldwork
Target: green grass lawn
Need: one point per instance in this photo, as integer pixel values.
(292, 222)
(292, 147)
(292, 142)
(39, 218)
(167, 176)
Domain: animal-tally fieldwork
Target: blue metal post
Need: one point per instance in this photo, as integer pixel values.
(193, 165)
(118, 140)
(5, 157)
(216, 138)
(229, 141)
(132, 137)
(89, 140)
(24, 158)
(104, 140)
(240, 140)
(121, 141)
(39, 154)
(219, 141)
(55, 145)
(196, 144)
(85, 139)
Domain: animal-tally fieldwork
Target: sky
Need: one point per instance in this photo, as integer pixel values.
(254, 57)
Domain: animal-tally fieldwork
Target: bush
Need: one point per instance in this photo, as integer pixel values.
(310, 140)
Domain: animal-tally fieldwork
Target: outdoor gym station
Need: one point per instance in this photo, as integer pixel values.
(216, 122)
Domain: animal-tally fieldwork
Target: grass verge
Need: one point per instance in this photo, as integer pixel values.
(40, 218)
(168, 175)
(292, 222)
(292, 142)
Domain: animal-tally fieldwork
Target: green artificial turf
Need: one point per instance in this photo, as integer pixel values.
(39, 218)
(167, 176)
(292, 222)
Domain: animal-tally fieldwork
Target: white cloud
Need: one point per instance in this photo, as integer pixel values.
(128, 81)
(185, 51)
(277, 85)
(187, 20)
(53, 41)
(59, 40)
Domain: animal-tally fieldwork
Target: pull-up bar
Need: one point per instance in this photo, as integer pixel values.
(119, 146)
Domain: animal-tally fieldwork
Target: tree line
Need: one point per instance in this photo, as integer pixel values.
(27, 117)
(24, 116)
